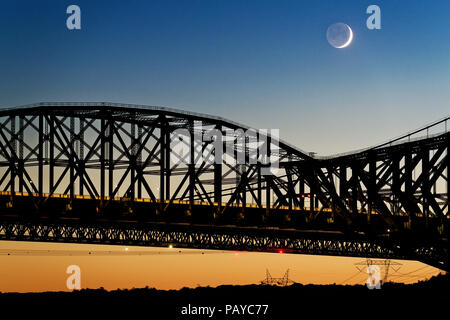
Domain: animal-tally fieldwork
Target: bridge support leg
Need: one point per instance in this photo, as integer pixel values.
(244, 169)
(448, 189)
(267, 177)
(102, 162)
(371, 190)
(191, 168)
(162, 163)
(268, 202)
(132, 188)
(40, 155)
(218, 184)
(20, 147)
(396, 181)
(343, 181)
(13, 168)
(72, 159)
(139, 163)
(301, 184)
(354, 183)
(425, 184)
(51, 169)
(259, 191)
(110, 144)
(167, 167)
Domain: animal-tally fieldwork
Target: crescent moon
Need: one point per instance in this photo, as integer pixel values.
(349, 39)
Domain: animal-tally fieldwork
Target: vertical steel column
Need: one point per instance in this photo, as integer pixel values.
(46, 135)
(354, 183)
(446, 223)
(72, 157)
(267, 187)
(21, 164)
(258, 157)
(426, 182)
(162, 160)
(40, 155)
(191, 166)
(316, 200)
(238, 182)
(267, 177)
(343, 181)
(448, 174)
(132, 161)
(259, 185)
(408, 175)
(110, 139)
(244, 182)
(218, 173)
(167, 166)
(371, 190)
(139, 163)
(102, 160)
(81, 170)
(218, 183)
(51, 170)
(13, 168)
(343, 190)
(291, 192)
(395, 180)
(301, 184)
(312, 191)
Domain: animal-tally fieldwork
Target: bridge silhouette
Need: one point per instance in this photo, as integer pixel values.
(107, 173)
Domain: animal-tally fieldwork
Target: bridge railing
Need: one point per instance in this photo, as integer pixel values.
(428, 131)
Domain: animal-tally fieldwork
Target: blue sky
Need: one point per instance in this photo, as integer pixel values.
(263, 63)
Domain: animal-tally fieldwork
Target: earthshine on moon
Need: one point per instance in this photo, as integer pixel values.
(339, 35)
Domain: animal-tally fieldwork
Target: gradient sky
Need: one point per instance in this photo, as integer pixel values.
(175, 268)
(263, 63)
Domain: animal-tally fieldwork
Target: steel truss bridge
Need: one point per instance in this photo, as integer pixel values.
(104, 173)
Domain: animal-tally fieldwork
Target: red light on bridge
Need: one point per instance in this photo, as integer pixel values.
(280, 251)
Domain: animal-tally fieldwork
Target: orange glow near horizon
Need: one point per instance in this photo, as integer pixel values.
(174, 268)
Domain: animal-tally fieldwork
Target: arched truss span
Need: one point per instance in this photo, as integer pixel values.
(93, 162)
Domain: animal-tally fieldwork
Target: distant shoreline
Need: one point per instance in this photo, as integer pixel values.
(348, 301)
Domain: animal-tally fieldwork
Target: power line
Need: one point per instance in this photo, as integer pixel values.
(387, 264)
(353, 276)
(407, 273)
(415, 276)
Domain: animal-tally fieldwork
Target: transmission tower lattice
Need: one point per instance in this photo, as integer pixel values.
(282, 282)
(387, 264)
